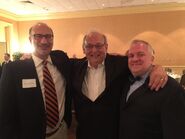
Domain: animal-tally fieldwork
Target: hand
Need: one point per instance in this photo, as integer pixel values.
(158, 78)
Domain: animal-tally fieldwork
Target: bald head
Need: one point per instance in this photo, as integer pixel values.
(38, 25)
(94, 35)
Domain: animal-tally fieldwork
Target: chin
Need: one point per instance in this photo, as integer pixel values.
(136, 73)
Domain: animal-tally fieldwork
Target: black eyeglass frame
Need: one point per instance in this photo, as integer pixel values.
(40, 36)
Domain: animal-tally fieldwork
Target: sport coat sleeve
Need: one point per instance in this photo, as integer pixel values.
(8, 114)
(173, 113)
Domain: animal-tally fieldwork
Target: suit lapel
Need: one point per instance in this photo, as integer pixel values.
(79, 69)
(109, 70)
(82, 74)
(137, 93)
(32, 72)
(124, 94)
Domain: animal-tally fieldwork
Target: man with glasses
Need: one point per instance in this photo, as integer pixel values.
(97, 84)
(34, 93)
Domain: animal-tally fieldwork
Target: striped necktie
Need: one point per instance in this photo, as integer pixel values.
(51, 102)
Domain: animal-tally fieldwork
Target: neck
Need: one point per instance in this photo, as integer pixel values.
(94, 65)
(41, 57)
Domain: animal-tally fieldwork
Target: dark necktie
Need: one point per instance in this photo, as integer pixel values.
(52, 112)
(132, 79)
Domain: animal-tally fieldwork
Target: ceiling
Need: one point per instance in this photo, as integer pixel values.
(34, 7)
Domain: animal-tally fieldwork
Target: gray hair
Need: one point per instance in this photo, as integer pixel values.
(93, 33)
(147, 45)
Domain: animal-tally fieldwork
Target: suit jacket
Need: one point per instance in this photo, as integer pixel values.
(182, 81)
(22, 111)
(5, 63)
(153, 115)
(0, 71)
(99, 119)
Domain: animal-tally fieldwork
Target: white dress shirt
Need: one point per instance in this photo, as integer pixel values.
(59, 82)
(94, 81)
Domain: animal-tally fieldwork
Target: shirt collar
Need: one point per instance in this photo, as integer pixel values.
(99, 65)
(39, 61)
(6, 61)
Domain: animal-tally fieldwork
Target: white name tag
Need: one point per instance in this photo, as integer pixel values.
(28, 83)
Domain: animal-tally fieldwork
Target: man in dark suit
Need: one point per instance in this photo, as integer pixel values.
(182, 81)
(6, 59)
(0, 71)
(23, 100)
(97, 82)
(145, 114)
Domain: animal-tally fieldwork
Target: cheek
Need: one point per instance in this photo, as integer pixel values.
(86, 52)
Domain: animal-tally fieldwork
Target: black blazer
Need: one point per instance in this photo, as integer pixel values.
(99, 119)
(182, 81)
(0, 71)
(153, 115)
(5, 63)
(22, 112)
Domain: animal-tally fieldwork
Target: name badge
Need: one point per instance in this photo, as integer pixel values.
(28, 83)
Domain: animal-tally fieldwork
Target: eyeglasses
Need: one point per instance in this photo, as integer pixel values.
(97, 46)
(40, 36)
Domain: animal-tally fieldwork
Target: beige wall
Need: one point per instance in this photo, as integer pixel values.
(164, 30)
(10, 35)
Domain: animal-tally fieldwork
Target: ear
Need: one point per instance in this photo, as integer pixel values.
(106, 46)
(30, 39)
(152, 58)
(83, 50)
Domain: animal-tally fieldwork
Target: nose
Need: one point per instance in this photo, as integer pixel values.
(43, 40)
(94, 49)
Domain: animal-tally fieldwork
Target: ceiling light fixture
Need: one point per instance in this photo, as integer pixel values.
(26, 2)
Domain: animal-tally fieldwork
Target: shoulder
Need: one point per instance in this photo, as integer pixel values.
(116, 57)
(18, 67)
(119, 62)
(78, 61)
(59, 58)
(19, 64)
(172, 82)
(173, 87)
(58, 53)
(78, 64)
(182, 81)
